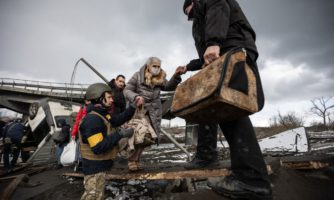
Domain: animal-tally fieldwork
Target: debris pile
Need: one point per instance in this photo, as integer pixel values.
(321, 141)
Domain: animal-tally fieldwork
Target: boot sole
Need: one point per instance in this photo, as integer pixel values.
(241, 195)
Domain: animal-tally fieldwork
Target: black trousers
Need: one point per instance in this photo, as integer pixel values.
(6, 153)
(247, 162)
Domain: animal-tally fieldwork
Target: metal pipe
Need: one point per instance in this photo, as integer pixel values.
(39, 147)
(176, 143)
(94, 70)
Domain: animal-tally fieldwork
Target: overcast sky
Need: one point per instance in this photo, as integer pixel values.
(43, 39)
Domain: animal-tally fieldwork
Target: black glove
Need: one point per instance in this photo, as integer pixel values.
(126, 132)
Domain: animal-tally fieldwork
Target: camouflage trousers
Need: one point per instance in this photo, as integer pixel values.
(94, 186)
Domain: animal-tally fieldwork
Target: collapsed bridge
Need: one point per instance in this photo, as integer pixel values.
(17, 94)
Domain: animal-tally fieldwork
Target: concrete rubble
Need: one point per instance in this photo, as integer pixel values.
(165, 178)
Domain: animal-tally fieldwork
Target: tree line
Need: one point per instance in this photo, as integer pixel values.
(320, 106)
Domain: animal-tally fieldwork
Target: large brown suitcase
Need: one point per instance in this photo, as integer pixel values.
(224, 90)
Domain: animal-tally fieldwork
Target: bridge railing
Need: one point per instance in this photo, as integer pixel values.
(55, 88)
(44, 86)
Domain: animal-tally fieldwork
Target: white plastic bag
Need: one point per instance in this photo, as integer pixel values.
(69, 155)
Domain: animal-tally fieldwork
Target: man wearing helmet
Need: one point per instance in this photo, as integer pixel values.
(219, 26)
(98, 140)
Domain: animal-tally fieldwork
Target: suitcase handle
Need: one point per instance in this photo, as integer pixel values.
(216, 91)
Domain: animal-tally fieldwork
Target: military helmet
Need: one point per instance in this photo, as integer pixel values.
(96, 90)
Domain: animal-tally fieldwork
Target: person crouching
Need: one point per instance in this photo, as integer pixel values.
(98, 140)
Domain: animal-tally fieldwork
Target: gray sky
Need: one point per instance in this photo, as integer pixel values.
(42, 40)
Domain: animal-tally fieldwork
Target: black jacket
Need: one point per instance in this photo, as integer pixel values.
(119, 99)
(14, 131)
(220, 22)
(63, 137)
(223, 23)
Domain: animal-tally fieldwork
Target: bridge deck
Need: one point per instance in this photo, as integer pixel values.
(51, 89)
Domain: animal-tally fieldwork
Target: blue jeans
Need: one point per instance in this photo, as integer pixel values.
(59, 151)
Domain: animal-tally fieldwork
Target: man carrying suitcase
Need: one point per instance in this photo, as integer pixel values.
(219, 26)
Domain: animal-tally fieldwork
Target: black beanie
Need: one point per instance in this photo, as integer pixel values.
(186, 4)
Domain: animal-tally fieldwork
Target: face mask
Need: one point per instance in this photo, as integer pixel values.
(154, 70)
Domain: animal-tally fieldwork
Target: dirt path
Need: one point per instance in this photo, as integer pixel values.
(287, 184)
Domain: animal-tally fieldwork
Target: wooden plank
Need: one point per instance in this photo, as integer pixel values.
(30, 171)
(166, 172)
(306, 165)
(13, 185)
(307, 162)
(4, 179)
(23, 165)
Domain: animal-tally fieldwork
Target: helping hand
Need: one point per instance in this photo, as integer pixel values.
(180, 70)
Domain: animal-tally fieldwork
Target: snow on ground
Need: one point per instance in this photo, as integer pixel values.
(294, 140)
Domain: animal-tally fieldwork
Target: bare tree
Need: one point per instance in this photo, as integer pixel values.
(290, 120)
(287, 121)
(321, 107)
